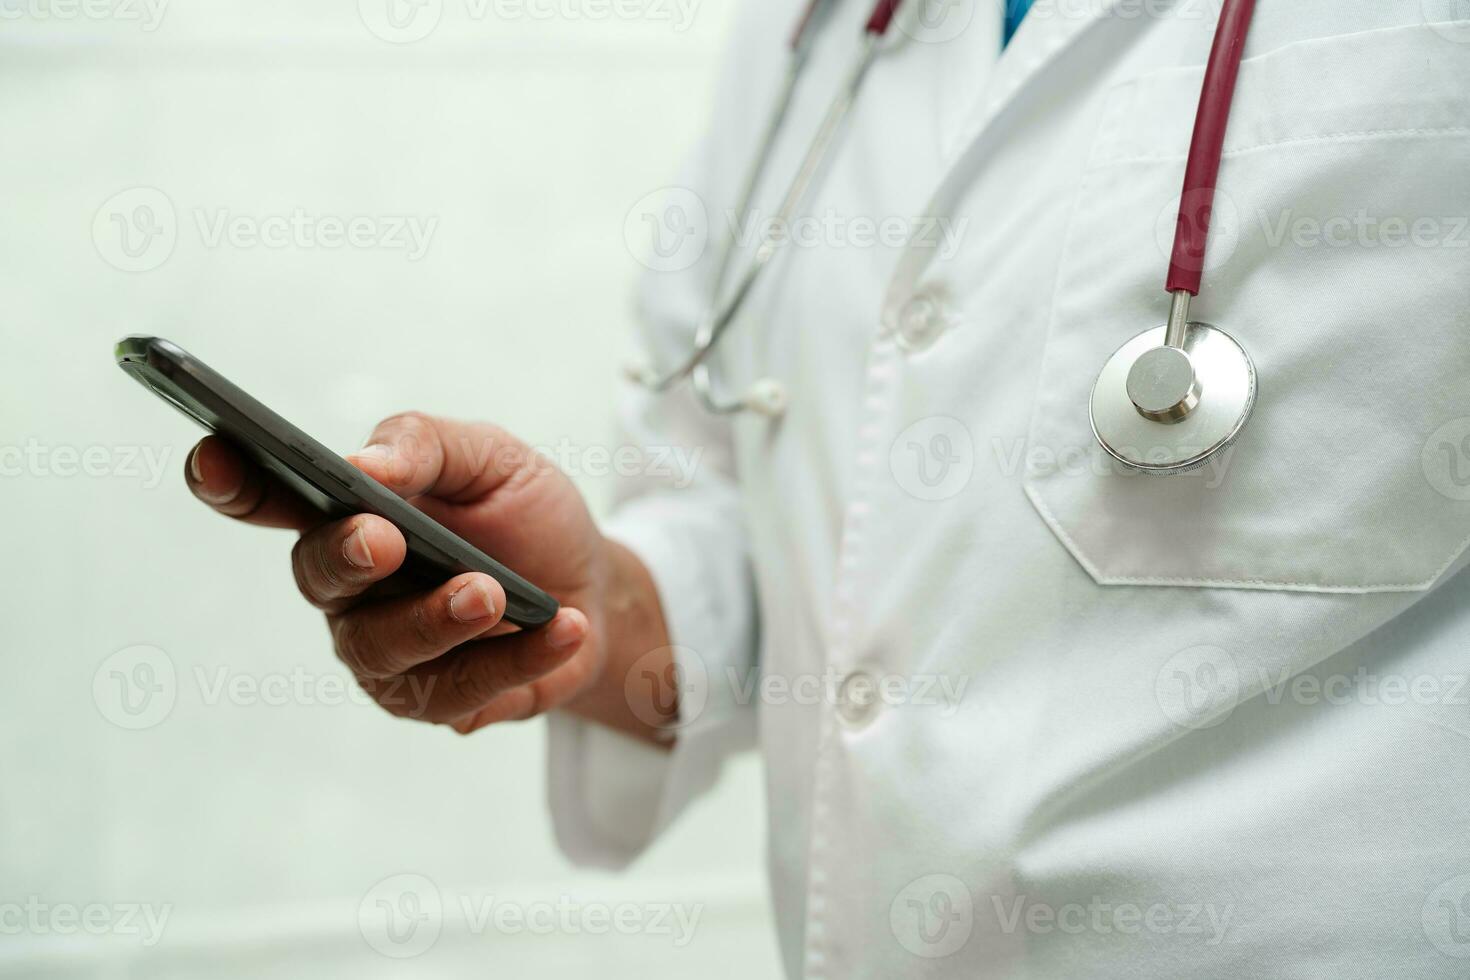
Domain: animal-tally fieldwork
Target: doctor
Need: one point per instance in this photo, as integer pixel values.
(1025, 711)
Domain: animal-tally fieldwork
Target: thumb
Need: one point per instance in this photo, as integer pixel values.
(415, 455)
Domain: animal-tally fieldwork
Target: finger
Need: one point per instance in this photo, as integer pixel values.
(221, 476)
(470, 677)
(383, 639)
(414, 455)
(544, 694)
(337, 562)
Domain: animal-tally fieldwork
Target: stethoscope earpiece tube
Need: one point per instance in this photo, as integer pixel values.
(768, 397)
(806, 27)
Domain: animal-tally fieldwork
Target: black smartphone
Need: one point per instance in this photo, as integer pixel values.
(326, 480)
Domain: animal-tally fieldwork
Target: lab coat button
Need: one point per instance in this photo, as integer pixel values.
(920, 323)
(857, 700)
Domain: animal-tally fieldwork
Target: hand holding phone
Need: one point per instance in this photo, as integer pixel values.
(322, 478)
(447, 653)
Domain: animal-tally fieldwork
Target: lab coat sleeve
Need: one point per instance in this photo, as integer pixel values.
(610, 795)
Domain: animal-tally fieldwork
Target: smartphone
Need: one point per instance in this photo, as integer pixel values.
(326, 480)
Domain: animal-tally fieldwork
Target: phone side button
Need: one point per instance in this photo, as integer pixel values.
(300, 450)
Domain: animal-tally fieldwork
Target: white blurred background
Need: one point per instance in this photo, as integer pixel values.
(236, 822)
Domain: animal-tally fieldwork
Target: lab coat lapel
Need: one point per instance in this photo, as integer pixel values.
(1048, 31)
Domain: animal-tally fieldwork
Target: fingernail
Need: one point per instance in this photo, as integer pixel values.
(376, 450)
(355, 549)
(216, 497)
(563, 633)
(220, 497)
(472, 603)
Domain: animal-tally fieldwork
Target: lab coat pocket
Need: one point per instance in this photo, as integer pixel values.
(1339, 257)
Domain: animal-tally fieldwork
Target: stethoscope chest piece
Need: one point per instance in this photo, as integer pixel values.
(1166, 408)
(1174, 397)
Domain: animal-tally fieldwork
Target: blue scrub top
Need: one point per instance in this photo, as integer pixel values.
(1015, 13)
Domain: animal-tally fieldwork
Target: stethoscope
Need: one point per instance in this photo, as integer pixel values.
(1167, 401)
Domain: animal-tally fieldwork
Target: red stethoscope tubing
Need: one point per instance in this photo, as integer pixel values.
(878, 21)
(1186, 266)
(1202, 172)
(882, 16)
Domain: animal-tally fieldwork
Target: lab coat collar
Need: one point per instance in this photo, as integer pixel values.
(1051, 27)
(1048, 30)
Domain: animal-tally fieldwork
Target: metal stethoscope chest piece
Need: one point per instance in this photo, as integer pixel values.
(1177, 395)
(1173, 396)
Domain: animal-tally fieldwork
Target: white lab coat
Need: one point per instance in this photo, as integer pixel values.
(1213, 725)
